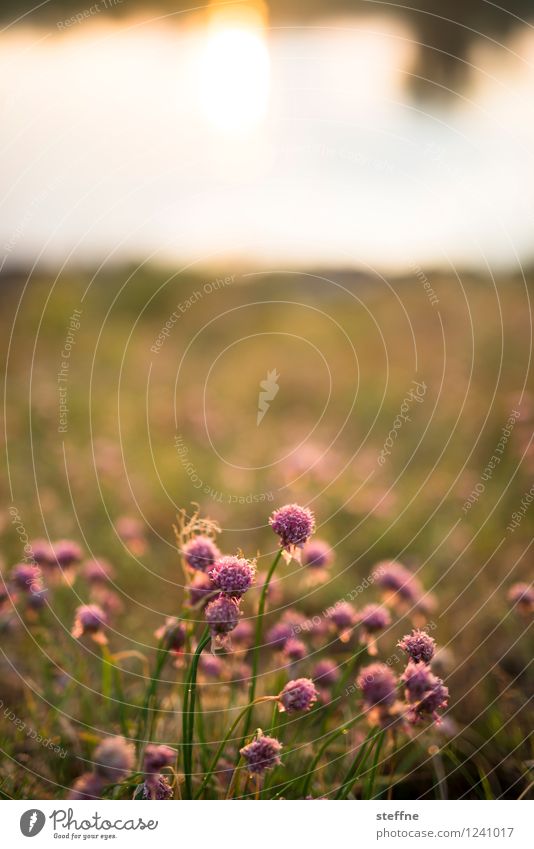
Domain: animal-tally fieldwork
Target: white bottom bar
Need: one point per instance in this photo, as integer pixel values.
(250, 825)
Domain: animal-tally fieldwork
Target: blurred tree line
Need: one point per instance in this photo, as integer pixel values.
(445, 29)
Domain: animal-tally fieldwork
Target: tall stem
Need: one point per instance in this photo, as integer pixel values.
(257, 641)
(224, 742)
(189, 712)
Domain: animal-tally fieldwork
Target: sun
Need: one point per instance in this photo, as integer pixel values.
(234, 78)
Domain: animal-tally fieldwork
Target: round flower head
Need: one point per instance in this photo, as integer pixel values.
(87, 786)
(113, 759)
(293, 524)
(418, 679)
(262, 754)
(37, 597)
(232, 575)
(374, 618)
(157, 757)
(295, 649)
(222, 615)
(66, 553)
(522, 596)
(172, 634)
(395, 579)
(425, 692)
(242, 634)
(89, 619)
(343, 616)
(419, 646)
(97, 571)
(158, 790)
(378, 685)
(200, 590)
(298, 695)
(129, 528)
(211, 665)
(434, 699)
(279, 634)
(325, 672)
(200, 552)
(26, 577)
(317, 554)
(42, 552)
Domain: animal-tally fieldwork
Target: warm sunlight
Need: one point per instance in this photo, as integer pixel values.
(234, 78)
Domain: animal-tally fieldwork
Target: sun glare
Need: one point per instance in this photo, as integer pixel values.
(234, 78)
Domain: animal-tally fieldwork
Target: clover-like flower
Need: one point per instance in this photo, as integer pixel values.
(261, 754)
(222, 615)
(419, 646)
(293, 524)
(378, 685)
(325, 672)
(200, 552)
(298, 695)
(233, 576)
(317, 554)
(113, 759)
(90, 619)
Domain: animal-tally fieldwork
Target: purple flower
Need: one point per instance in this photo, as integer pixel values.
(97, 571)
(295, 649)
(395, 578)
(42, 552)
(343, 616)
(66, 553)
(211, 665)
(243, 633)
(87, 786)
(157, 758)
(232, 575)
(263, 753)
(157, 790)
(325, 672)
(425, 692)
(298, 695)
(522, 595)
(26, 577)
(279, 634)
(434, 699)
(113, 759)
(200, 590)
(293, 524)
(317, 554)
(172, 633)
(222, 615)
(417, 679)
(200, 552)
(419, 646)
(89, 619)
(374, 618)
(378, 685)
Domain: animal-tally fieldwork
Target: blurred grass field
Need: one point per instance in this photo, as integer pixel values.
(151, 428)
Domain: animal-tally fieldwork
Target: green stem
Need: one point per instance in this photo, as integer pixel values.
(150, 694)
(257, 641)
(357, 765)
(374, 768)
(224, 742)
(190, 714)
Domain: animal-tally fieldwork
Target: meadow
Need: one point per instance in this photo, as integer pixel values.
(399, 412)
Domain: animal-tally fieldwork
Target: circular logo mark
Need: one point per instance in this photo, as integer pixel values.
(32, 822)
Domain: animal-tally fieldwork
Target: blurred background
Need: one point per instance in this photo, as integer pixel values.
(327, 202)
